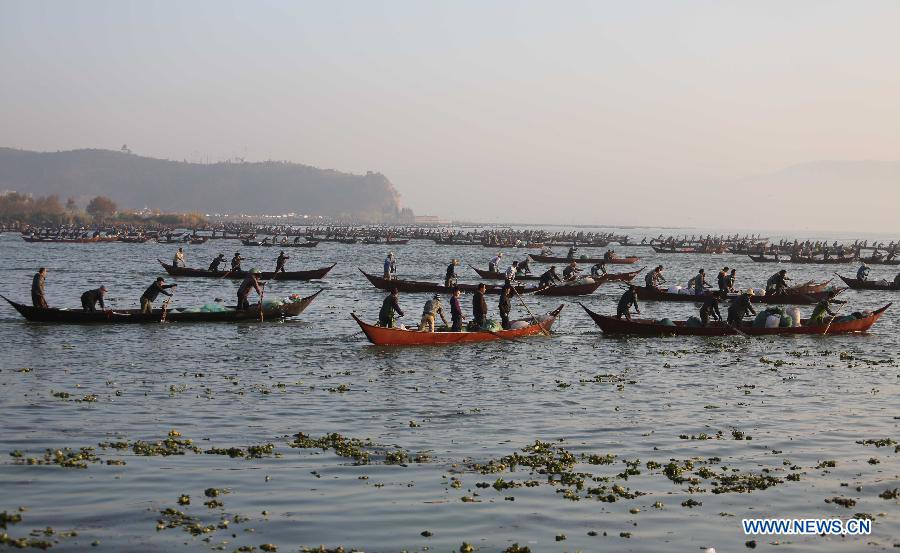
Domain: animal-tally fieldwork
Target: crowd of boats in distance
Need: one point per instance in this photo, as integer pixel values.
(759, 248)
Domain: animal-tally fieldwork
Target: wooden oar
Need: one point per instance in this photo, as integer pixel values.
(262, 293)
(540, 324)
(833, 317)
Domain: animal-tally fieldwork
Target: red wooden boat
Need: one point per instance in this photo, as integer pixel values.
(417, 286)
(649, 327)
(592, 260)
(800, 298)
(801, 260)
(381, 336)
(266, 275)
(857, 284)
(134, 316)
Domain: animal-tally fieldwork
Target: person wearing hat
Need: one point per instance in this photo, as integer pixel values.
(777, 283)
(37, 289)
(214, 266)
(250, 281)
(90, 299)
(628, 299)
(494, 263)
(390, 266)
(236, 262)
(862, 273)
(722, 279)
(152, 292)
(178, 260)
(279, 263)
(450, 275)
(389, 306)
(432, 309)
(698, 283)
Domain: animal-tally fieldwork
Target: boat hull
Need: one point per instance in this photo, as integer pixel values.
(655, 294)
(555, 259)
(648, 327)
(314, 274)
(857, 284)
(382, 336)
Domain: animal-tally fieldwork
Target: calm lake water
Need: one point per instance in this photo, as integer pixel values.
(624, 408)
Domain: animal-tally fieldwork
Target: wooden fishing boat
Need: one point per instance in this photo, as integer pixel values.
(801, 260)
(554, 259)
(452, 242)
(883, 260)
(376, 240)
(649, 327)
(197, 240)
(416, 286)
(266, 275)
(857, 284)
(688, 249)
(655, 294)
(609, 277)
(348, 240)
(273, 244)
(510, 245)
(133, 239)
(181, 315)
(51, 240)
(382, 336)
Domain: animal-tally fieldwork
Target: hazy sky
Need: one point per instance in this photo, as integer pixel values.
(589, 112)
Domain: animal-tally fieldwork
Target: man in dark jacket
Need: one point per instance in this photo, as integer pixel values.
(456, 314)
(549, 277)
(739, 309)
(250, 282)
(37, 288)
(90, 299)
(389, 306)
(214, 265)
(722, 279)
(450, 274)
(710, 308)
(628, 299)
(504, 307)
(479, 306)
(236, 262)
(279, 263)
(152, 292)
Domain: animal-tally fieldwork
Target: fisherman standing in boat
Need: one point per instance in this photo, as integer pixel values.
(251, 281)
(710, 308)
(91, 298)
(777, 283)
(862, 274)
(722, 280)
(654, 278)
(37, 289)
(732, 279)
(739, 309)
(450, 274)
(505, 306)
(572, 251)
(456, 313)
(152, 292)
(479, 306)
(524, 268)
(236, 262)
(214, 265)
(178, 260)
(432, 309)
(512, 272)
(628, 299)
(279, 263)
(494, 263)
(390, 266)
(698, 283)
(388, 307)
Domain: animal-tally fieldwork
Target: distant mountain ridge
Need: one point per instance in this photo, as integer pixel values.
(135, 181)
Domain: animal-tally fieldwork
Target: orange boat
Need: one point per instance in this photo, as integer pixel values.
(382, 336)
